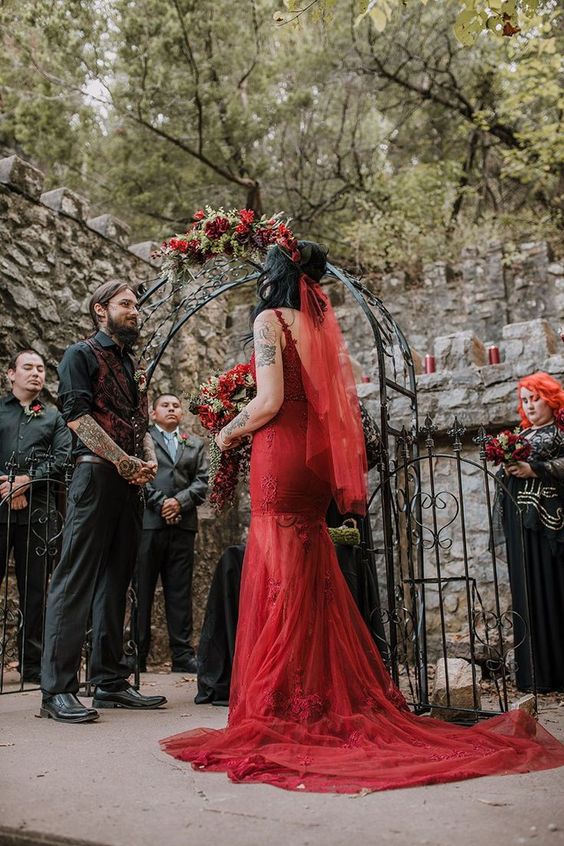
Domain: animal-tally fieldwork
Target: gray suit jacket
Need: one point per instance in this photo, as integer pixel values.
(185, 478)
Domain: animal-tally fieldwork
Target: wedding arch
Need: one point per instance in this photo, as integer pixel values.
(416, 520)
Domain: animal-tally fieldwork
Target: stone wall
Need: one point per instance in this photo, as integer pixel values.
(477, 394)
(53, 256)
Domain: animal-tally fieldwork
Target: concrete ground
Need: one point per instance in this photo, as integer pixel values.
(108, 783)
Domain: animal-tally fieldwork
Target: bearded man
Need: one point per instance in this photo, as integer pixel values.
(103, 401)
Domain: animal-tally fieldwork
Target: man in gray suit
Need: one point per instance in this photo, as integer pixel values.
(170, 524)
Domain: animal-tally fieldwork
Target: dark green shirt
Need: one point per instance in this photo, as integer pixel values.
(20, 437)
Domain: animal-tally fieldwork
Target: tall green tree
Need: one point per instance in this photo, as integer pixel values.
(394, 147)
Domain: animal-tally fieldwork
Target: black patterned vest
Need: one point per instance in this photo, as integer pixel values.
(118, 408)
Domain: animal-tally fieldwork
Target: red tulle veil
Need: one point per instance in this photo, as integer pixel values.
(335, 440)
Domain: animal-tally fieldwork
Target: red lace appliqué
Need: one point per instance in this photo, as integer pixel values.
(299, 706)
(269, 485)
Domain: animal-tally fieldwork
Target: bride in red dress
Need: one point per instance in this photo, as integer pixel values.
(312, 706)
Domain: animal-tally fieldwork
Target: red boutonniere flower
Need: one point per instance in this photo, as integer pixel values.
(34, 409)
(183, 438)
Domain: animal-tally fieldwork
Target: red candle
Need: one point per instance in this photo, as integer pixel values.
(430, 364)
(493, 355)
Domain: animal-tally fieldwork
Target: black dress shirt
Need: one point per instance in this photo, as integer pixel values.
(77, 374)
(21, 436)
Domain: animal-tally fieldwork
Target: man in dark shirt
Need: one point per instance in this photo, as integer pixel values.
(104, 402)
(33, 439)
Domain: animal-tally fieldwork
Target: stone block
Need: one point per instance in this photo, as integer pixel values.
(21, 175)
(525, 703)
(144, 250)
(66, 201)
(110, 227)
(462, 693)
(531, 340)
(458, 350)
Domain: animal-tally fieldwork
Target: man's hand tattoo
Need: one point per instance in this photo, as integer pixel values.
(128, 467)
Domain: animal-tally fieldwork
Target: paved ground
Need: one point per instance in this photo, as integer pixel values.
(108, 783)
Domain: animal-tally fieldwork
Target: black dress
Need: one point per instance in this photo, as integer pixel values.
(537, 524)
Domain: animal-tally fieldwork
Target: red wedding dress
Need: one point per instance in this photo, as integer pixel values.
(312, 706)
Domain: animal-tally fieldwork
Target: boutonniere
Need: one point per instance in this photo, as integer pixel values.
(183, 438)
(140, 377)
(34, 409)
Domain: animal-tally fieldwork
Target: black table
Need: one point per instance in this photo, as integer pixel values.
(217, 639)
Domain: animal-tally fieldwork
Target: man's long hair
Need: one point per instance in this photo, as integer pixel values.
(104, 293)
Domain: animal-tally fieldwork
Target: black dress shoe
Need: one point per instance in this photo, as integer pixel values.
(190, 665)
(66, 708)
(128, 698)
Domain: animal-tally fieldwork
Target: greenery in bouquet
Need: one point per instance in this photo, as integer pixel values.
(216, 402)
(506, 447)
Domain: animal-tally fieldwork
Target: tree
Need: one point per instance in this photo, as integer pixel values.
(401, 143)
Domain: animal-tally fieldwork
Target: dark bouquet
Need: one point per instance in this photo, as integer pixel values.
(506, 447)
(217, 402)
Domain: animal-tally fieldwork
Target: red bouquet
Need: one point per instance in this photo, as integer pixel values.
(217, 402)
(237, 233)
(506, 447)
(559, 419)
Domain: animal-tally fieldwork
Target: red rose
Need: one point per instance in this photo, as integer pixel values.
(247, 216)
(208, 418)
(214, 229)
(199, 215)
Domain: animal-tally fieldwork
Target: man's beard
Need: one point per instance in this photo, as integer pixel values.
(126, 334)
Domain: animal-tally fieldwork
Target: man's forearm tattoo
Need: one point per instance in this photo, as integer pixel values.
(93, 436)
(238, 422)
(265, 344)
(149, 453)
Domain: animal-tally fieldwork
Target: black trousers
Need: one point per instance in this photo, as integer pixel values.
(31, 554)
(168, 552)
(100, 541)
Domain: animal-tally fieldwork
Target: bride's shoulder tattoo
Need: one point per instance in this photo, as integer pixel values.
(265, 342)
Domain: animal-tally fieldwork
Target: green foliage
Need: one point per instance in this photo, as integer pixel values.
(393, 147)
(500, 18)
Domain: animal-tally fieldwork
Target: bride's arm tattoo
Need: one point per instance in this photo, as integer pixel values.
(237, 423)
(265, 344)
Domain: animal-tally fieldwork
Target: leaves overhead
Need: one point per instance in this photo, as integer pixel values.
(392, 146)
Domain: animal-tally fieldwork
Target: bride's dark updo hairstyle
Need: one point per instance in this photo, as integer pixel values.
(279, 287)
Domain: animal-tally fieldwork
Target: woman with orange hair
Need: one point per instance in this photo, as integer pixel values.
(537, 524)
